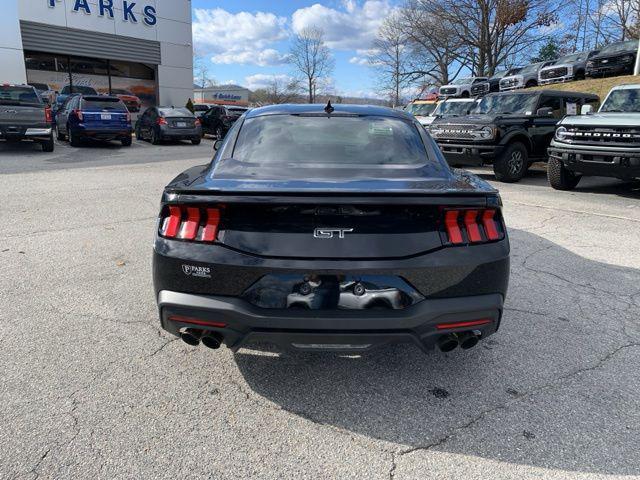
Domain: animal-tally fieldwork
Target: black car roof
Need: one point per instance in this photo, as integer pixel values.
(555, 93)
(318, 109)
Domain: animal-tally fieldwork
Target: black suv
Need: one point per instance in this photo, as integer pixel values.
(510, 130)
(219, 119)
(615, 59)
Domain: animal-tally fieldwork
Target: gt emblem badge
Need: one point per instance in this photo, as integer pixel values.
(331, 232)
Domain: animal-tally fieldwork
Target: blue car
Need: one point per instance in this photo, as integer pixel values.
(68, 91)
(94, 116)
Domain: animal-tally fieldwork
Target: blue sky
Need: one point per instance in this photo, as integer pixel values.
(246, 41)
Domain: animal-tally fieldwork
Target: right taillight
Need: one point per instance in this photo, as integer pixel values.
(195, 223)
(472, 225)
(161, 121)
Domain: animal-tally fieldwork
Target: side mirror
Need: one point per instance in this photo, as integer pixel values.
(544, 111)
(586, 110)
(217, 144)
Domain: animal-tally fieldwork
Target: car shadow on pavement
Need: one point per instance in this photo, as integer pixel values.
(556, 387)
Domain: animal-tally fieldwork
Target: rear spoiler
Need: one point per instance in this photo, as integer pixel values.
(327, 198)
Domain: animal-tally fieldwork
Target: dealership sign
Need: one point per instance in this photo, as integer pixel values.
(106, 8)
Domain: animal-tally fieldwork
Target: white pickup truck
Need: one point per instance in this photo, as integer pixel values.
(24, 116)
(605, 144)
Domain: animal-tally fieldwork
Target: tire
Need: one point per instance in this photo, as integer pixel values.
(48, 146)
(511, 166)
(154, 139)
(196, 140)
(464, 94)
(531, 83)
(559, 177)
(579, 75)
(126, 141)
(74, 141)
(60, 136)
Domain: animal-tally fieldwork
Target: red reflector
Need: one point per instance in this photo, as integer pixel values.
(190, 226)
(196, 321)
(490, 225)
(172, 222)
(471, 323)
(210, 230)
(453, 229)
(473, 230)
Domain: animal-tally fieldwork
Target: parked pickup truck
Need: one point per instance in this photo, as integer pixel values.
(460, 87)
(615, 59)
(510, 130)
(24, 116)
(567, 68)
(605, 144)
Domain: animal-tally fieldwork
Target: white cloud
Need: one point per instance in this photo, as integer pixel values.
(262, 80)
(350, 28)
(239, 38)
(359, 61)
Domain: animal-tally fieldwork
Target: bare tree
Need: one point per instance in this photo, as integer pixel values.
(433, 43)
(390, 58)
(312, 58)
(278, 90)
(201, 72)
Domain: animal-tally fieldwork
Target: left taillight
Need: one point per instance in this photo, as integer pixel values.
(48, 117)
(197, 122)
(186, 222)
(472, 225)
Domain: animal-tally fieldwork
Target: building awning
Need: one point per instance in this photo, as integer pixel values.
(71, 41)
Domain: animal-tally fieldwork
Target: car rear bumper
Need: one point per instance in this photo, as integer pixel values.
(104, 134)
(470, 154)
(25, 133)
(181, 133)
(618, 163)
(240, 323)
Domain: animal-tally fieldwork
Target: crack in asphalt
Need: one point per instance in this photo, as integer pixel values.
(569, 210)
(559, 382)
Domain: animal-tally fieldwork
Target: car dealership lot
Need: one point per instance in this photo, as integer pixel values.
(92, 388)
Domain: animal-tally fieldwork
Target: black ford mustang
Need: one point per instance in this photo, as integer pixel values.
(322, 228)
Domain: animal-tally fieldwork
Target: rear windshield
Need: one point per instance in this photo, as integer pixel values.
(18, 96)
(175, 112)
(201, 108)
(79, 89)
(336, 140)
(119, 91)
(103, 104)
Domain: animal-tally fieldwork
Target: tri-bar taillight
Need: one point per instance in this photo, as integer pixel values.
(472, 225)
(185, 222)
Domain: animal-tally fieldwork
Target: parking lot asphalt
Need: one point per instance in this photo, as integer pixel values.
(92, 388)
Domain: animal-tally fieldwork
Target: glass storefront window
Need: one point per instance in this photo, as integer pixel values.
(131, 70)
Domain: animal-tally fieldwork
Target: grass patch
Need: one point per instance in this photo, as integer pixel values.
(599, 86)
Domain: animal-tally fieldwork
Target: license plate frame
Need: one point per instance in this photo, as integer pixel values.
(105, 116)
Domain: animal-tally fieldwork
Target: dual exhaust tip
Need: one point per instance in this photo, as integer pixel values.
(464, 340)
(193, 337)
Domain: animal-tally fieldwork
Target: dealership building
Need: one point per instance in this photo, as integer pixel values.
(138, 46)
